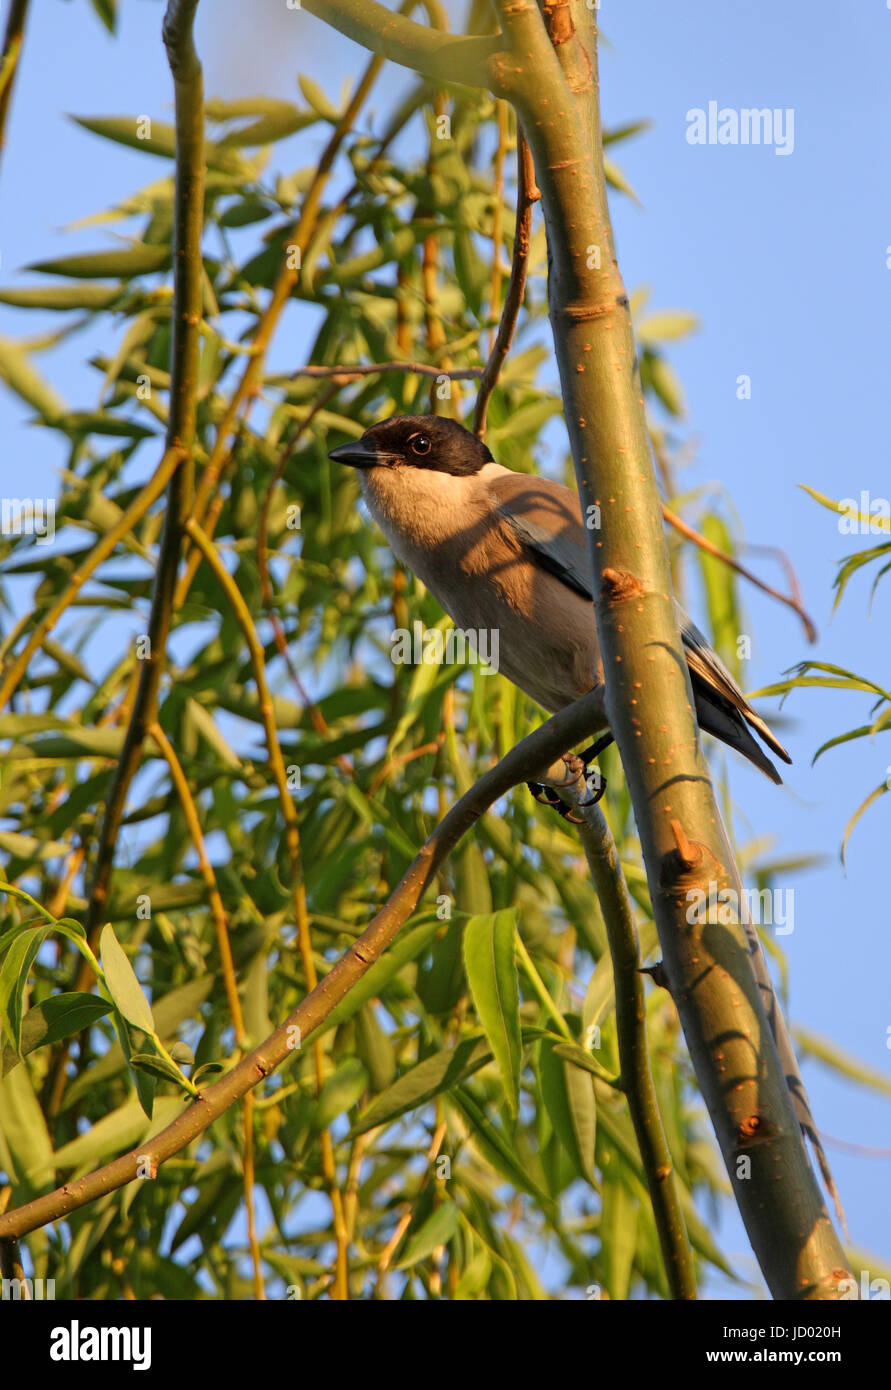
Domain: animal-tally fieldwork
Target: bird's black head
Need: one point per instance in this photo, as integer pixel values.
(416, 441)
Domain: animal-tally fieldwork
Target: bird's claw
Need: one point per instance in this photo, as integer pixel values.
(546, 796)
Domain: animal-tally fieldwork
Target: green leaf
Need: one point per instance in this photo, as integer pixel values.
(14, 977)
(157, 1065)
(25, 1148)
(421, 1083)
(209, 1069)
(97, 265)
(437, 1230)
(659, 377)
(22, 377)
(624, 132)
(125, 130)
(568, 1094)
(60, 1016)
(671, 323)
(340, 1092)
(720, 590)
(115, 1133)
(131, 131)
(471, 271)
(123, 986)
(317, 99)
(618, 1237)
(496, 1146)
(375, 1048)
(616, 179)
(267, 129)
(375, 980)
(815, 1045)
(862, 732)
(491, 968)
(864, 806)
(877, 523)
(62, 297)
(107, 12)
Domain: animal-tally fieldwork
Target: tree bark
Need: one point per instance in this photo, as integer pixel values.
(550, 73)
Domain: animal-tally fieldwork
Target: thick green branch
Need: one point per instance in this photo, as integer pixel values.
(552, 80)
(442, 57)
(524, 762)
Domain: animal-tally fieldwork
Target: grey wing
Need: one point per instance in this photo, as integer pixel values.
(547, 518)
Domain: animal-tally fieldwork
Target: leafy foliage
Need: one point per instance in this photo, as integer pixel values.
(475, 1127)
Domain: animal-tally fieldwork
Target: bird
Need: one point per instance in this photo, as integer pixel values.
(507, 551)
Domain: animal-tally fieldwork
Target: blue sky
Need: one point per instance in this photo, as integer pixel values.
(783, 258)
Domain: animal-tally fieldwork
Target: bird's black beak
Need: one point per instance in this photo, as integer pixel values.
(360, 453)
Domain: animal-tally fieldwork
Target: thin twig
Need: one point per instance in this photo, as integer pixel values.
(527, 195)
(218, 911)
(792, 601)
(501, 110)
(631, 1025)
(401, 758)
(350, 373)
(186, 318)
(402, 1225)
(292, 840)
(224, 947)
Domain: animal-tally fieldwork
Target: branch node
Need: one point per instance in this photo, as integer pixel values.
(618, 585)
(753, 1129)
(689, 854)
(657, 974)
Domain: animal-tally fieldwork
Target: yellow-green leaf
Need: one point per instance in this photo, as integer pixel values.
(491, 969)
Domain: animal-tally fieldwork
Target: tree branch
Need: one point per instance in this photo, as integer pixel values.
(186, 318)
(527, 196)
(649, 699)
(792, 601)
(353, 373)
(525, 762)
(442, 57)
(631, 1021)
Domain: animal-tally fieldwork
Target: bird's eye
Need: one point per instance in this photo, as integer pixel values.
(420, 444)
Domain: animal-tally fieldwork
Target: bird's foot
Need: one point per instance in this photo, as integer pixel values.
(577, 770)
(576, 767)
(546, 796)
